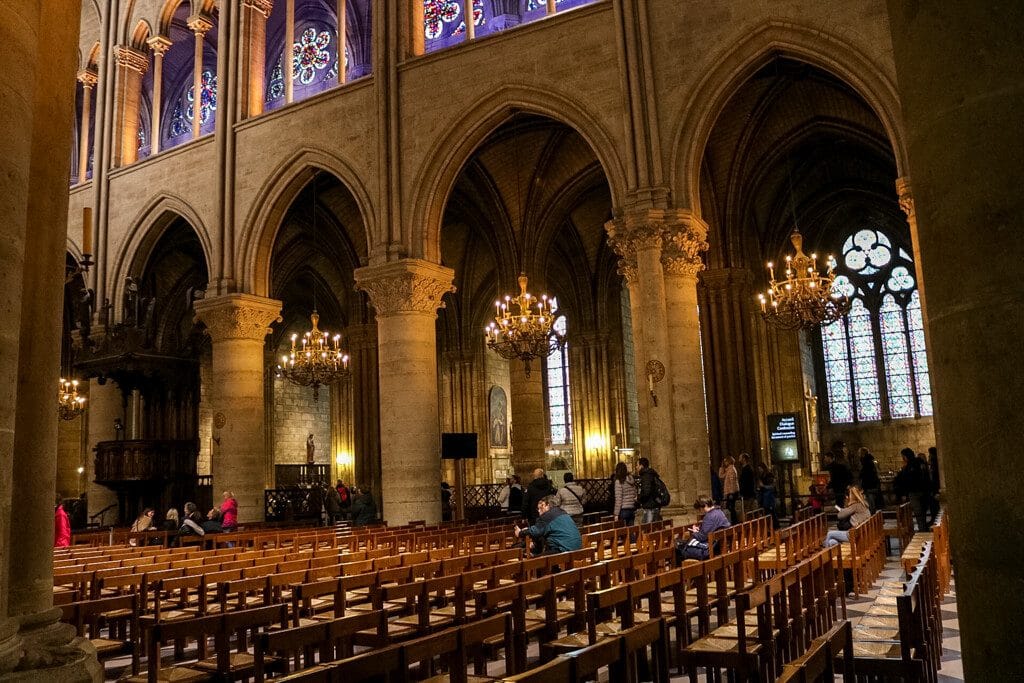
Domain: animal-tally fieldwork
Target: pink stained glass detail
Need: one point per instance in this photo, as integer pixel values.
(437, 13)
(862, 353)
(310, 54)
(897, 361)
(837, 372)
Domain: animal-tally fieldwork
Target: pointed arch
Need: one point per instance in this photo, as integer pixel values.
(449, 156)
(147, 228)
(140, 35)
(737, 64)
(277, 192)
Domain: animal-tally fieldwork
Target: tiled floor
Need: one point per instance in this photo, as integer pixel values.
(952, 669)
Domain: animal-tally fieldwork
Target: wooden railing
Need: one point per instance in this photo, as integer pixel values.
(145, 460)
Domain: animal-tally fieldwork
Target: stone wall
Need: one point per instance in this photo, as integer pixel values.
(885, 440)
(296, 415)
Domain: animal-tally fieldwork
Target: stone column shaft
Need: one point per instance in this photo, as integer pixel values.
(592, 411)
(88, 78)
(342, 33)
(528, 419)
(160, 45)
(237, 324)
(253, 58)
(406, 295)
(682, 260)
(131, 64)
(286, 55)
(106, 404)
(362, 341)
(199, 25)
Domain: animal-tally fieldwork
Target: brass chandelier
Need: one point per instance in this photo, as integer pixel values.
(319, 360)
(805, 298)
(523, 327)
(69, 403)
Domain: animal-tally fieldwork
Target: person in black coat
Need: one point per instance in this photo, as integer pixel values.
(538, 489)
(747, 481)
(911, 483)
(840, 476)
(364, 509)
(648, 477)
(869, 481)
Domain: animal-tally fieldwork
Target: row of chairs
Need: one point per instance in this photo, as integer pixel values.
(939, 538)
(794, 543)
(756, 532)
(865, 554)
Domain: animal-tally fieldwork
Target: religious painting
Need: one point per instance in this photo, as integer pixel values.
(498, 430)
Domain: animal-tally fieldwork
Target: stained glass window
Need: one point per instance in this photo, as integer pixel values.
(557, 381)
(179, 126)
(310, 55)
(445, 25)
(314, 64)
(875, 365)
(207, 98)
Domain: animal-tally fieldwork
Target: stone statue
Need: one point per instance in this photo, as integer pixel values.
(131, 301)
(310, 449)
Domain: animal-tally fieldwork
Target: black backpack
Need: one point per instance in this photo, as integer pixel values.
(661, 495)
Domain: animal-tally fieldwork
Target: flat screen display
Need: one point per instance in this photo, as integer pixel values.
(783, 436)
(458, 446)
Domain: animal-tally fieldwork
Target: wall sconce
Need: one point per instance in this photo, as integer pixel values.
(655, 373)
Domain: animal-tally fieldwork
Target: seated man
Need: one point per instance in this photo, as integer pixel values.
(712, 520)
(554, 531)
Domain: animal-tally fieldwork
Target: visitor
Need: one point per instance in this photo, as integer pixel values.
(730, 484)
(911, 484)
(345, 496)
(144, 522)
(554, 531)
(712, 519)
(851, 516)
(541, 487)
(171, 520)
(364, 509)
(229, 512)
(647, 496)
(716, 486)
(61, 526)
(839, 473)
(624, 506)
(766, 497)
(192, 525)
(747, 483)
(212, 523)
(869, 481)
(570, 498)
(315, 503)
(333, 506)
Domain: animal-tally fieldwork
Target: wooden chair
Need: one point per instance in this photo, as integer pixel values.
(119, 614)
(558, 670)
(384, 665)
(747, 654)
(475, 639)
(245, 626)
(645, 647)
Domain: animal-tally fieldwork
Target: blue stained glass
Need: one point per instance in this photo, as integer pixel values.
(917, 352)
(837, 372)
(207, 98)
(310, 55)
(900, 280)
(559, 412)
(862, 352)
(897, 362)
(275, 88)
(179, 126)
(437, 14)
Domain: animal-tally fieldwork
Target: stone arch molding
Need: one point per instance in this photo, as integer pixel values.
(147, 228)
(275, 195)
(737, 64)
(434, 183)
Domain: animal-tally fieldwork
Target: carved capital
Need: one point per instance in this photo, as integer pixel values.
(200, 24)
(88, 78)
(631, 232)
(238, 316)
(129, 58)
(159, 45)
(685, 243)
(405, 286)
(264, 7)
(906, 197)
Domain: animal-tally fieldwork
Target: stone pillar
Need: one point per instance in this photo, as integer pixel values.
(106, 404)
(199, 24)
(342, 39)
(362, 349)
(959, 108)
(406, 295)
(131, 64)
(253, 58)
(286, 57)
(682, 259)
(35, 165)
(88, 78)
(159, 45)
(637, 238)
(528, 420)
(238, 325)
(463, 408)
(592, 411)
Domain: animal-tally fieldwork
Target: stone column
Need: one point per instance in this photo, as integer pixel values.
(199, 24)
(106, 404)
(960, 107)
(253, 58)
(637, 238)
(406, 295)
(88, 78)
(528, 420)
(682, 258)
(238, 325)
(159, 45)
(590, 396)
(286, 56)
(131, 64)
(342, 39)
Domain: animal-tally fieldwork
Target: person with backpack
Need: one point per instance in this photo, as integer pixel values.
(570, 498)
(539, 488)
(653, 494)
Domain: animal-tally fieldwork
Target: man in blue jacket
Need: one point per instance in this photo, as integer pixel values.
(554, 531)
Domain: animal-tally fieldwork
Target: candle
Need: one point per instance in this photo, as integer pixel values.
(87, 230)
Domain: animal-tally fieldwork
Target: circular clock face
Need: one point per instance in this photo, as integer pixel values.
(219, 420)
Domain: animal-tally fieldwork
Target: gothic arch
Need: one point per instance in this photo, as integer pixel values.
(434, 183)
(277, 192)
(147, 228)
(735, 66)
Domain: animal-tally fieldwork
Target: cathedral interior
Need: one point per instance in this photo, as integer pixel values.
(192, 185)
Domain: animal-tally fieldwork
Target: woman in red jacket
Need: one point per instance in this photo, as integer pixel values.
(61, 526)
(229, 512)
